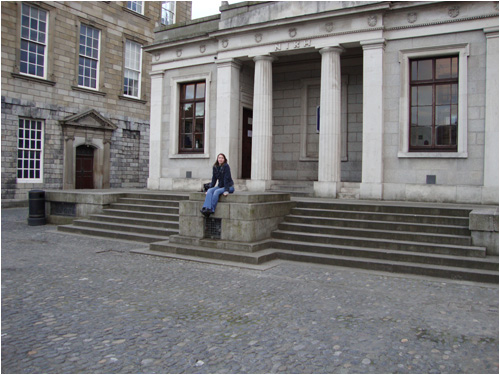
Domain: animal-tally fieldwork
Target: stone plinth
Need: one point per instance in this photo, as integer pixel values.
(247, 219)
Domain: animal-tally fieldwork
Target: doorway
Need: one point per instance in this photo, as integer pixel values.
(246, 148)
(84, 167)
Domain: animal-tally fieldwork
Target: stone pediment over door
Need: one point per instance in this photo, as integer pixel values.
(91, 129)
(89, 119)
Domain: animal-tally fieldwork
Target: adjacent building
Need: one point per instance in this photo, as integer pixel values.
(396, 100)
(76, 93)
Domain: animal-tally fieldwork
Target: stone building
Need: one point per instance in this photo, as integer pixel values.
(391, 100)
(76, 92)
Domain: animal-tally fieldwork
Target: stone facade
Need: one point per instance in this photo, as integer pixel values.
(117, 129)
(282, 60)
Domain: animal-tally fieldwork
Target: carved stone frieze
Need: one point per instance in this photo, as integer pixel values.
(258, 37)
(372, 20)
(453, 12)
(412, 17)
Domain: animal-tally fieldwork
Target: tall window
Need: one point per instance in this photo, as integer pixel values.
(192, 117)
(88, 66)
(33, 41)
(29, 150)
(167, 12)
(136, 6)
(132, 74)
(434, 104)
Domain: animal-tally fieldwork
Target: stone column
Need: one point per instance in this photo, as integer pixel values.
(329, 156)
(373, 119)
(490, 189)
(228, 110)
(106, 161)
(262, 138)
(155, 131)
(69, 162)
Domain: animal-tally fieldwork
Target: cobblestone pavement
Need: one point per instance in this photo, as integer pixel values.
(75, 304)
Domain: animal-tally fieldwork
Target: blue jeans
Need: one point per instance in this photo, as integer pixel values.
(213, 195)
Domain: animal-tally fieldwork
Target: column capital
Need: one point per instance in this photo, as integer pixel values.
(335, 49)
(491, 32)
(264, 58)
(229, 62)
(373, 43)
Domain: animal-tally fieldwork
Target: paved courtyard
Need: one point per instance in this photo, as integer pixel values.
(75, 304)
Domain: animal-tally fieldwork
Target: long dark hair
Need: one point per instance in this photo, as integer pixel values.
(216, 164)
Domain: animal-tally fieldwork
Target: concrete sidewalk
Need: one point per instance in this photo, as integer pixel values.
(80, 304)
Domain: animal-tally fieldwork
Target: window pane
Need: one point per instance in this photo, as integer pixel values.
(454, 67)
(200, 109)
(424, 70)
(200, 91)
(421, 136)
(187, 141)
(424, 115)
(443, 94)
(443, 115)
(443, 68)
(454, 115)
(188, 110)
(444, 135)
(188, 127)
(424, 95)
(198, 143)
(414, 95)
(199, 125)
(189, 92)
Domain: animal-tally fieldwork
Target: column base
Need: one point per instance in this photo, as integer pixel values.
(258, 185)
(326, 189)
(368, 190)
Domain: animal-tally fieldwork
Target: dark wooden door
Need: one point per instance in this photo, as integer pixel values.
(84, 167)
(246, 149)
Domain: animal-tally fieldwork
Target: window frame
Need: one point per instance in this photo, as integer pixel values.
(29, 149)
(183, 101)
(168, 12)
(433, 83)
(131, 4)
(98, 59)
(175, 83)
(405, 57)
(30, 41)
(125, 69)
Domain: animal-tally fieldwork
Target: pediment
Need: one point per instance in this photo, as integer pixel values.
(89, 119)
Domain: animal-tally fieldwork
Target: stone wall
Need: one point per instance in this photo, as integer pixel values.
(56, 97)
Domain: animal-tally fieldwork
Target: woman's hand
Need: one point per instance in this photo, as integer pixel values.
(226, 193)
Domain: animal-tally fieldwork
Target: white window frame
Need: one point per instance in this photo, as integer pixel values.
(137, 68)
(462, 50)
(175, 84)
(136, 4)
(165, 10)
(23, 149)
(29, 40)
(88, 57)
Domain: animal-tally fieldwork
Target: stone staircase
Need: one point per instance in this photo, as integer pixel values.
(432, 241)
(141, 217)
(419, 239)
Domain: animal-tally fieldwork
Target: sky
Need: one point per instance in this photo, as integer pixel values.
(204, 8)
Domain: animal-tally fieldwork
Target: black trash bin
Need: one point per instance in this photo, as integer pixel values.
(36, 207)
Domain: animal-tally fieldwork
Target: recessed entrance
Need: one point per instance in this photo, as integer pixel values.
(246, 150)
(84, 167)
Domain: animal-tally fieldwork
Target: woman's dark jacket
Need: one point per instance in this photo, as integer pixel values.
(223, 174)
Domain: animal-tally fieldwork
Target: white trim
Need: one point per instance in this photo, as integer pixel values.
(174, 115)
(404, 104)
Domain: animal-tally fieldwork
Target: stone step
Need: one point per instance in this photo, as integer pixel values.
(484, 263)
(144, 208)
(120, 235)
(157, 196)
(149, 202)
(137, 221)
(257, 257)
(141, 214)
(382, 216)
(338, 240)
(395, 208)
(376, 233)
(129, 228)
(456, 273)
(374, 224)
